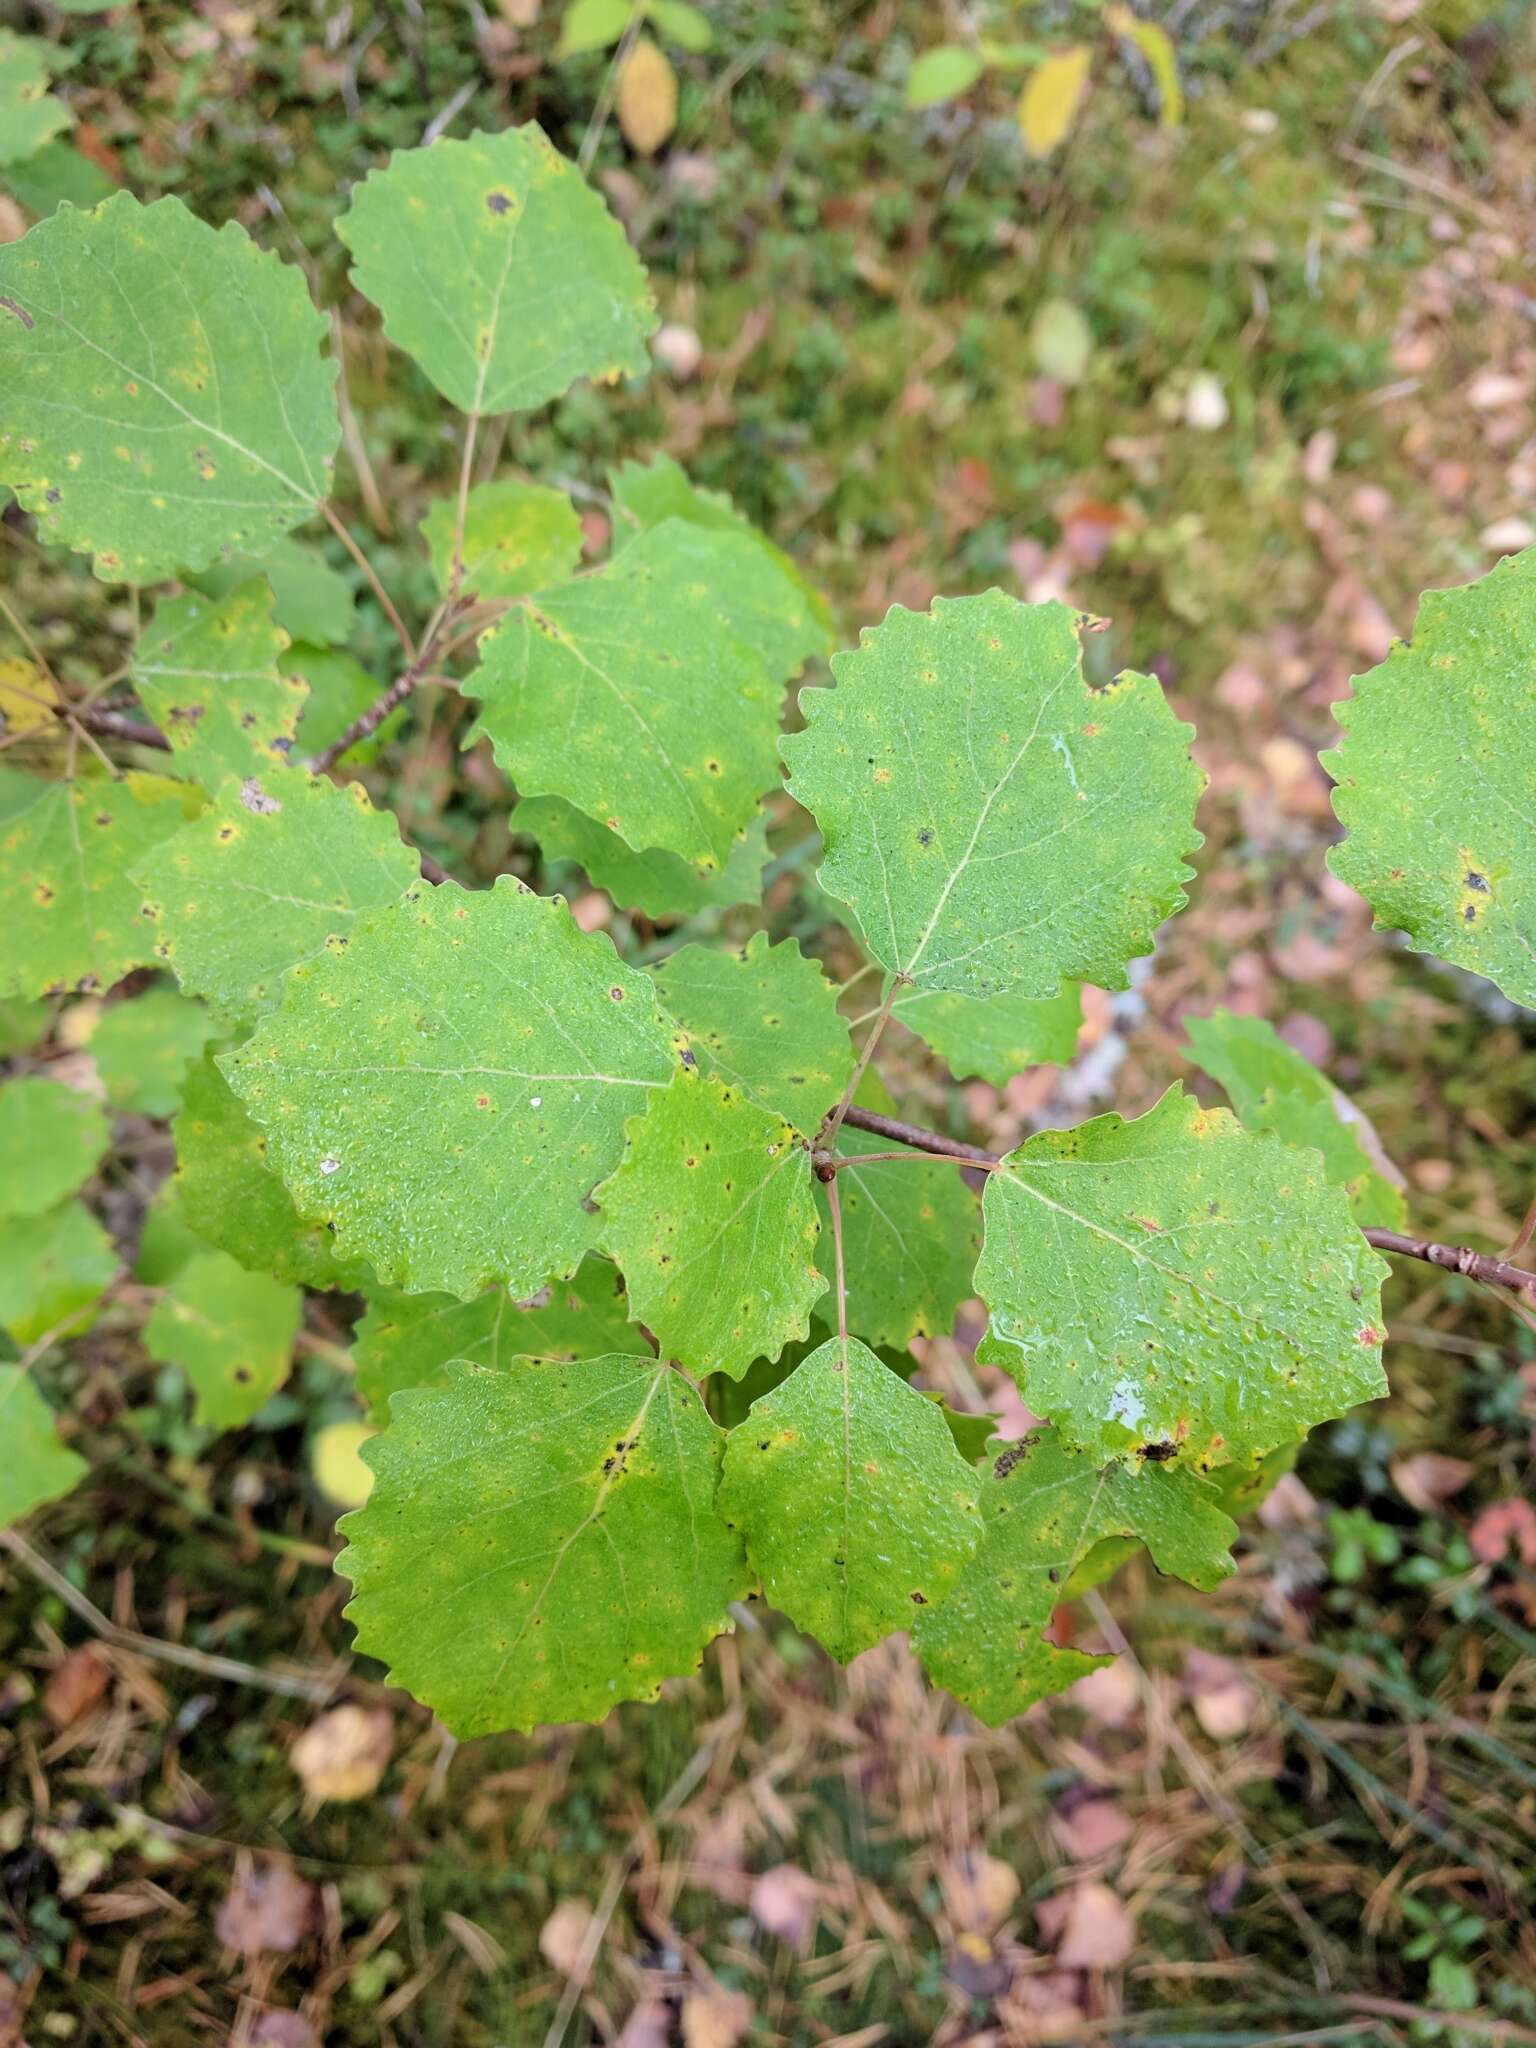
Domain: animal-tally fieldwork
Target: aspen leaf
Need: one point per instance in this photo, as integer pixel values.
(230, 1331)
(277, 870)
(647, 97)
(943, 74)
(36, 1467)
(1272, 1088)
(711, 1219)
(143, 1046)
(1434, 776)
(660, 884)
(1049, 102)
(764, 1018)
(1044, 1508)
(1129, 1299)
(311, 601)
(592, 25)
(29, 115)
(681, 23)
(409, 1340)
(336, 1459)
(628, 694)
(206, 671)
(162, 394)
(994, 1037)
(517, 537)
(992, 822)
(538, 1545)
(856, 1507)
(71, 914)
(1153, 43)
(447, 1089)
(51, 1138)
(53, 1270)
(499, 269)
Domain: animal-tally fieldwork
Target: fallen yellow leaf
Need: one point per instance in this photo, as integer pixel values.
(1048, 104)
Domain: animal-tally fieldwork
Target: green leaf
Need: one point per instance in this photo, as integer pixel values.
(911, 1232)
(36, 1467)
(592, 25)
(57, 172)
(943, 74)
(991, 821)
(1178, 1280)
(517, 537)
(409, 1340)
(229, 1194)
(994, 1037)
(166, 1242)
(659, 884)
(29, 115)
(1061, 341)
(53, 1270)
(764, 1018)
(71, 915)
(711, 1219)
(339, 689)
(311, 601)
(142, 1048)
(162, 396)
(1434, 777)
(539, 1544)
(275, 873)
(681, 23)
(627, 694)
(645, 495)
(1272, 1088)
(206, 671)
(449, 1088)
(51, 1138)
(499, 269)
(1044, 1507)
(856, 1507)
(21, 1025)
(230, 1331)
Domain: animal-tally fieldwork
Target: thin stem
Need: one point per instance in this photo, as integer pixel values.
(838, 1160)
(31, 646)
(1523, 1235)
(882, 1017)
(203, 1662)
(362, 561)
(914, 1135)
(836, 1208)
(456, 572)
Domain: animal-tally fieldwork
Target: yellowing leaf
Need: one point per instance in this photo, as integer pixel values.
(647, 101)
(335, 1458)
(1154, 45)
(1048, 104)
(25, 696)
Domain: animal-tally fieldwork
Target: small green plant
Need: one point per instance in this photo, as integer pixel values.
(643, 1253)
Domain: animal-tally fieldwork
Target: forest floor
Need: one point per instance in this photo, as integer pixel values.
(1300, 1810)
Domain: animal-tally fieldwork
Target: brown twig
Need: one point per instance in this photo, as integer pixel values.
(204, 1662)
(915, 1136)
(339, 529)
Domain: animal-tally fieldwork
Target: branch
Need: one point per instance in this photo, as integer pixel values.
(1455, 1259)
(1452, 1258)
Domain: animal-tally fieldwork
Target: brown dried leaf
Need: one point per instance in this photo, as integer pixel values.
(979, 1891)
(1502, 1524)
(269, 1909)
(76, 1685)
(344, 1754)
(783, 1903)
(715, 2018)
(1091, 1827)
(1098, 1932)
(1428, 1479)
(562, 1938)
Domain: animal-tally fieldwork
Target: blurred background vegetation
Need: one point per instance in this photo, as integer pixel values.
(1242, 386)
